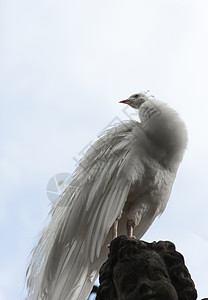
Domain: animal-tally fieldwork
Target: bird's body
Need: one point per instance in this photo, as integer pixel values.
(126, 175)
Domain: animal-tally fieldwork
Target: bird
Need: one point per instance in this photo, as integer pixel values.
(120, 186)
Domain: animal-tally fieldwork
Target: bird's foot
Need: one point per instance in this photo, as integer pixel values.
(115, 229)
(115, 226)
(133, 237)
(130, 229)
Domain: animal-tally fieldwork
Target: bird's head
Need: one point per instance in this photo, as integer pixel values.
(135, 100)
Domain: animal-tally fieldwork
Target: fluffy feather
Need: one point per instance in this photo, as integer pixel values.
(131, 168)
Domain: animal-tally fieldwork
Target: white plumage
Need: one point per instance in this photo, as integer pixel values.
(130, 169)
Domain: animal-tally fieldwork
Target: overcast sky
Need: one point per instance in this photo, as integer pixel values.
(64, 65)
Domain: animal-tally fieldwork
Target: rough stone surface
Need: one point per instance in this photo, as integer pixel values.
(137, 270)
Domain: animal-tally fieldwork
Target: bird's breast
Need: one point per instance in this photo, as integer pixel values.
(153, 189)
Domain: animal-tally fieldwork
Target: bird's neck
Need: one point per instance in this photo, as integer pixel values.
(165, 128)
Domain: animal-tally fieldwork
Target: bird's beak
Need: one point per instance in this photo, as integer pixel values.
(124, 101)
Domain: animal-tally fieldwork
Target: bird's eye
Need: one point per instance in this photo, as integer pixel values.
(136, 96)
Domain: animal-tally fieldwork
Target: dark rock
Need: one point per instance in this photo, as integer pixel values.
(137, 270)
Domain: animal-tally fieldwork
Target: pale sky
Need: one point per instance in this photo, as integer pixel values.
(64, 66)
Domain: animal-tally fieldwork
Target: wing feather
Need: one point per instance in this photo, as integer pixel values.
(71, 245)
